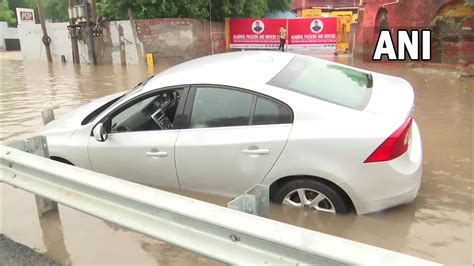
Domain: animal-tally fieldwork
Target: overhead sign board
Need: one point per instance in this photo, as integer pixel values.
(312, 13)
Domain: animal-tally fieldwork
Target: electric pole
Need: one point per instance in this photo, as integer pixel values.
(74, 33)
(89, 34)
(46, 39)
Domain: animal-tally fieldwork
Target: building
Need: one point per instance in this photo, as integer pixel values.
(325, 5)
(451, 22)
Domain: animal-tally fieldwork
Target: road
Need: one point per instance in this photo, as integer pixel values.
(12, 253)
(436, 226)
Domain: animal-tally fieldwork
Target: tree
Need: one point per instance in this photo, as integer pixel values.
(56, 10)
(278, 5)
(13, 4)
(198, 9)
(6, 14)
(469, 3)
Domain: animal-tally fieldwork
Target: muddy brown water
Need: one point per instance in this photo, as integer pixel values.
(437, 226)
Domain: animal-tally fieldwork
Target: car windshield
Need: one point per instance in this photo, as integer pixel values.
(329, 82)
(111, 103)
(137, 88)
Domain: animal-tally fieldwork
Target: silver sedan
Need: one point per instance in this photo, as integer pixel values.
(323, 136)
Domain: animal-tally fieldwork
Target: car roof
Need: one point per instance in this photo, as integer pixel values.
(232, 69)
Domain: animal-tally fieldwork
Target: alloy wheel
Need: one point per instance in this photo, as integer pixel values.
(309, 199)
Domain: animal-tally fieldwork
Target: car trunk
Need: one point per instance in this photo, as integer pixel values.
(391, 96)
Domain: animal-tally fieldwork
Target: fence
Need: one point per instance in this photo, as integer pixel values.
(223, 234)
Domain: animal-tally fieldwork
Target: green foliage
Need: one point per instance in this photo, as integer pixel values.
(13, 4)
(278, 5)
(6, 14)
(56, 10)
(198, 9)
(469, 3)
(117, 9)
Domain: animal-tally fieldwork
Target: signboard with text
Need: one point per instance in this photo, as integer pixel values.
(255, 33)
(312, 33)
(25, 15)
(302, 33)
(312, 13)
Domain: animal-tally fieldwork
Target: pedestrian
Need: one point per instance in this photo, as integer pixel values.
(283, 35)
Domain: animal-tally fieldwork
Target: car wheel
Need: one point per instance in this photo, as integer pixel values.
(312, 195)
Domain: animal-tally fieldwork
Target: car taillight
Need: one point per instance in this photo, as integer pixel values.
(393, 146)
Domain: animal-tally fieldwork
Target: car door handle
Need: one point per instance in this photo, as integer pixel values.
(157, 153)
(256, 152)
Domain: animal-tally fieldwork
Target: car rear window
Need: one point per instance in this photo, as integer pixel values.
(329, 82)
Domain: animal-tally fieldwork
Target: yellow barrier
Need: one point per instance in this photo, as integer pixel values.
(344, 20)
(149, 60)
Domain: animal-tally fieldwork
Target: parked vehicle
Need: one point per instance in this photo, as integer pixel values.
(323, 136)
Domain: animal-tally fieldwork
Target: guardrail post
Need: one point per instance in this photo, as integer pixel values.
(39, 146)
(255, 201)
(47, 115)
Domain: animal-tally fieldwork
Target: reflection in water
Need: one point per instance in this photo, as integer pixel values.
(166, 254)
(53, 237)
(436, 226)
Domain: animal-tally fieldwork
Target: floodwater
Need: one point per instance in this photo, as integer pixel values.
(437, 226)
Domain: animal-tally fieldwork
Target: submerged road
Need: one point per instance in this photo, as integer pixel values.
(437, 226)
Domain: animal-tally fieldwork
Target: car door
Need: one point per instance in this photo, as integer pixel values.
(138, 148)
(233, 138)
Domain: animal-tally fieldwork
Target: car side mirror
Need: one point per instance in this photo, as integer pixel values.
(99, 132)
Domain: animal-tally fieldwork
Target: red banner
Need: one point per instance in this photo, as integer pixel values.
(255, 33)
(312, 33)
(263, 33)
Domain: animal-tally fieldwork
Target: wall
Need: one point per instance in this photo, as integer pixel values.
(3, 31)
(402, 15)
(7, 33)
(107, 48)
(176, 40)
(171, 41)
(33, 48)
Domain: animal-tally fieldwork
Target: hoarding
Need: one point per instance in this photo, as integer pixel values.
(255, 33)
(310, 33)
(303, 33)
(25, 15)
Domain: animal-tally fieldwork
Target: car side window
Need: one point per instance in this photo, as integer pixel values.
(218, 107)
(155, 112)
(271, 112)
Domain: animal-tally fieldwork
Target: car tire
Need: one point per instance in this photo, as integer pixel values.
(312, 186)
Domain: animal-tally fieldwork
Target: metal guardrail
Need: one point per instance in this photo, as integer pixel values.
(217, 232)
(255, 201)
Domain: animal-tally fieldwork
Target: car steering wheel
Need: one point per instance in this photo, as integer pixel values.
(162, 120)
